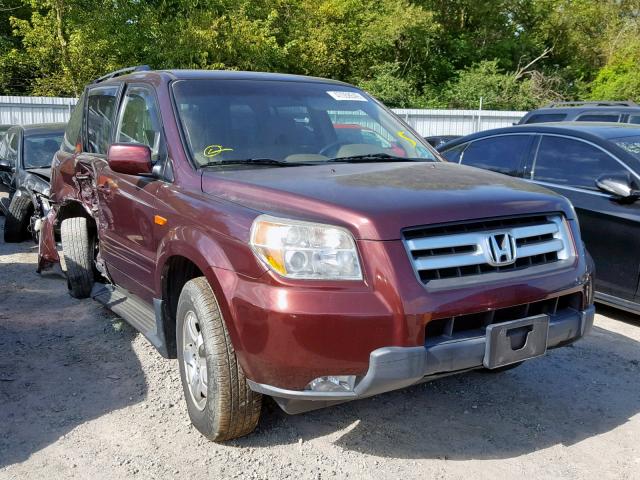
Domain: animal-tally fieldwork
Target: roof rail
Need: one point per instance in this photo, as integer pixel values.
(123, 71)
(595, 103)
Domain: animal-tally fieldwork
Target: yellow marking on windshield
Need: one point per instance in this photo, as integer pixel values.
(402, 135)
(213, 150)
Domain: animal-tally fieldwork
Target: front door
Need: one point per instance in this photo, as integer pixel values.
(127, 202)
(609, 227)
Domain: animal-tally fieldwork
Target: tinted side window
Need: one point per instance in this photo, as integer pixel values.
(634, 119)
(595, 117)
(453, 155)
(546, 117)
(74, 127)
(571, 162)
(140, 122)
(101, 106)
(502, 154)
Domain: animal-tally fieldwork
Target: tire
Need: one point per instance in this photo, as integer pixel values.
(223, 407)
(78, 248)
(16, 225)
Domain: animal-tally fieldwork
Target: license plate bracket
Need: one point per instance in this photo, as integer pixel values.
(516, 340)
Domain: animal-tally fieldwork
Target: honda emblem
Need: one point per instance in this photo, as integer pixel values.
(502, 249)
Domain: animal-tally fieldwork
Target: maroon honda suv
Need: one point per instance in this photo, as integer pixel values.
(229, 218)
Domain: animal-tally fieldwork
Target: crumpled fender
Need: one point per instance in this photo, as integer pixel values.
(47, 251)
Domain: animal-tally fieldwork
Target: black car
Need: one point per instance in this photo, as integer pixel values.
(598, 111)
(25, 170)
(596, 166)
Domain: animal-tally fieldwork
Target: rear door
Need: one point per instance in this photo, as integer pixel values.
(127, 202)
(609, 228)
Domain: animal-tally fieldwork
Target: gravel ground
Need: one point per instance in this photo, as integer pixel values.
(83, 396)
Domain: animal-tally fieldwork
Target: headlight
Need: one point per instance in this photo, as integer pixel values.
(306, 250)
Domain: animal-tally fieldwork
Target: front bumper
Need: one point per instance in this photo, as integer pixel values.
(392, 368)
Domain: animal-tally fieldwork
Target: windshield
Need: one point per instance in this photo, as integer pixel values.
(630, 144)
(39, 149)
(292, 122)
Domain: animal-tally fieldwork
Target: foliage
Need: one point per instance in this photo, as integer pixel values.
(619, 79)
(515, 54)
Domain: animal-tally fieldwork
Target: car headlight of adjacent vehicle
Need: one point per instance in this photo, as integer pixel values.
(305, 250)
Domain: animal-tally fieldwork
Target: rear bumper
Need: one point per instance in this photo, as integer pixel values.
(392, 368)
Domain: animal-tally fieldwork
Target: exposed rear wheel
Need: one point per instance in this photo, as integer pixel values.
(220, 403)
(78, 248)
(16, 225)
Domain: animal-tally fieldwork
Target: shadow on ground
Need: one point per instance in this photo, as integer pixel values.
(62, 362)
(570, 395)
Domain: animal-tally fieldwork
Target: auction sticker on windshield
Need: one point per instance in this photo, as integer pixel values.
(351, 96)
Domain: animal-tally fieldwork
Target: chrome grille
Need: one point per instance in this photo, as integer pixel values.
(467, 249)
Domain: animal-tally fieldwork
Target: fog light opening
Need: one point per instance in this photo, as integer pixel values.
(332, 383)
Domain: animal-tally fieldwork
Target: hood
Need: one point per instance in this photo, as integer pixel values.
(41, 172)
(376, 201)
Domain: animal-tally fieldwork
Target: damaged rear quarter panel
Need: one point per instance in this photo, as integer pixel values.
(72, 182)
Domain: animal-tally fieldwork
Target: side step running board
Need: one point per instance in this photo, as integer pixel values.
(138, 313)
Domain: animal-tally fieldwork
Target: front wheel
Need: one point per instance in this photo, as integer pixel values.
(220, 403)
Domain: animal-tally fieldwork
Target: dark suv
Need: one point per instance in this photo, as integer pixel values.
(230, 223)
(598, 111)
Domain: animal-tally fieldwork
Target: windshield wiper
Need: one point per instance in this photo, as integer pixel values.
(376, 157)
(255, 161)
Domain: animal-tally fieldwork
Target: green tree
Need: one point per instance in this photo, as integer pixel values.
(619, 79)
(512, 53)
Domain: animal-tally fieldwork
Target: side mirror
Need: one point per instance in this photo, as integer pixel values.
(130, 159)
(618, 185)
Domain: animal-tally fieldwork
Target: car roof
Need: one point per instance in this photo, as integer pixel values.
(43, 128)
(602, 130)
(592, 109)
(219, 75)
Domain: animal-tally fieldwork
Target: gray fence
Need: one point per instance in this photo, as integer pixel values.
(457, 122)
(28, 110)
